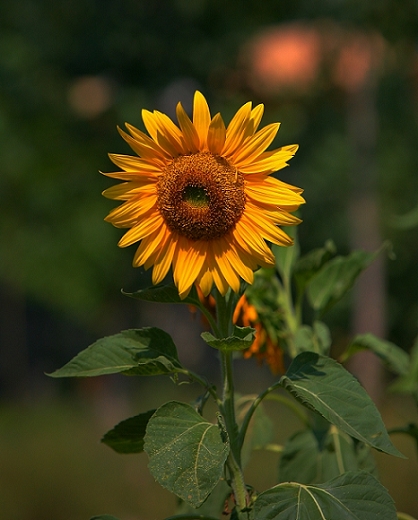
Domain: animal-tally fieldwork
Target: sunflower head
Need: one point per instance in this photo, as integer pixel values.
(199, 196)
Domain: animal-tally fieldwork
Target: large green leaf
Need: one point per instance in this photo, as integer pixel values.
(128, 435)
(104, 517)
(303, 460)
(396, 359)
(352, 496)
(308, 265)
(187, 453)
(325, 386)
(241, 339)
(211, 508)
(408, 382)
(148, 351)
(336, 277)
(163, 294)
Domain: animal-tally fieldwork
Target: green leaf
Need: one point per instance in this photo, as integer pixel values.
(316, 339)
(191, 517)
(128, 435)
(144, 352)
(260, 431)
(308, 265)
(104, 517)
(396, 359)
(211, 508)
(325, 386)
(336, 277)
(242, 338)
(187, 453)
(286, 257)
(164, 294)
(408, 383)
(352, 496)
(305, 462)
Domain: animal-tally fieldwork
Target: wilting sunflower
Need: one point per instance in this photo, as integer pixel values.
(200, 198)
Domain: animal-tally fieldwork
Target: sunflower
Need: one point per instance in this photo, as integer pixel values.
(199, 197)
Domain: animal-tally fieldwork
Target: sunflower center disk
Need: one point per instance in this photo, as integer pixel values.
(201, 196)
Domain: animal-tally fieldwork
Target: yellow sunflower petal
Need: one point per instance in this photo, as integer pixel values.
(219, 280)
(257, 144)
(126, 190)
(148, 246)
(256, 115)
(155, 130)
(216, 135)
(187, 264)
(205, 281)
(240, 267)
(222, 257)
(270, 161)
(251, 241)
(201, 118)
(129, 213)
(132, 165)
(145, 150)
(190, 134)
(268, 230)
(164, 259)
(273, 193)
(145, 227)
(238, 129)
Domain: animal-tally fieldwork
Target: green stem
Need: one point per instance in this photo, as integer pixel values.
(202, 382)
(224, 310)
(290, 316)
(257, 401)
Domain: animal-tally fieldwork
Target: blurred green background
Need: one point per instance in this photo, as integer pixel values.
(341, 76)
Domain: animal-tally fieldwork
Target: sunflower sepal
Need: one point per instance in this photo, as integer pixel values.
(241, 339)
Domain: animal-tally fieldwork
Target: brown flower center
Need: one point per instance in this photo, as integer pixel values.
(201, 196)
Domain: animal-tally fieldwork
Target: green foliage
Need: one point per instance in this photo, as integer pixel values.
(396, 359)
(352, 496)
(325, 387)
(326, 471)
(311, 263)
(241, 339)
(146, 352)
(104, 517)
(303, 460)
(187, 454)
(164, 294)
(128, 435)
(408, 382)
(335, 278)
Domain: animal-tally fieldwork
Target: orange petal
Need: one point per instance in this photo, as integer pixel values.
(220, 250)
(149, 245)
(216, 135)
(257, 144)
(163, 261)
(189, 131)
(141, 230)
(201, 118)
(187, 263)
